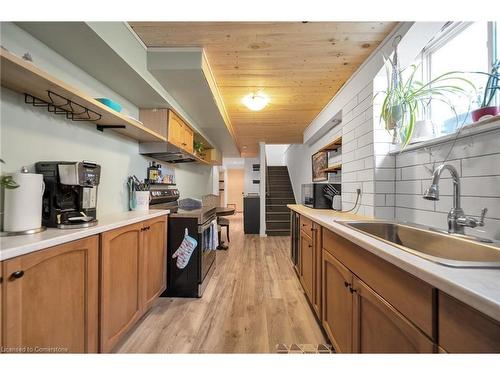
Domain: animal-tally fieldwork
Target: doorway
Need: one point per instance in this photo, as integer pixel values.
(235, 188)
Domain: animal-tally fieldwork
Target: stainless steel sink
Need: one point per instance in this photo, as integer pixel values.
(446, 249)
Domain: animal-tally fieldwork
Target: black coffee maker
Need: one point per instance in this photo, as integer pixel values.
(70, 197)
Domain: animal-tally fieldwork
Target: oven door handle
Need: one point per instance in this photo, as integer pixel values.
(203, 228)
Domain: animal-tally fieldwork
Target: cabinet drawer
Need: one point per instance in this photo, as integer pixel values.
(306, 225)
(461, 329)
(410, 296)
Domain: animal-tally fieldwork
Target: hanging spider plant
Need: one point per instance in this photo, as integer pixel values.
(406, 97)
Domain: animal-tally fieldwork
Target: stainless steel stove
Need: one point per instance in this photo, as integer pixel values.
(192, 280)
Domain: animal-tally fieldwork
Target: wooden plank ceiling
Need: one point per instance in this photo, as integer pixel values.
(300, 66)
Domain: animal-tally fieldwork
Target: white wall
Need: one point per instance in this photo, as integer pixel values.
(251, 175)
(275, 155)
(30, 134)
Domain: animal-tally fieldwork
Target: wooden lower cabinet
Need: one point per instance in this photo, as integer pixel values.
(50, 299)
(307, 264)
(155, 260)
(463, 329)
(317, 249)
(121, 272)
(380, 328)
(337, 303)
(133, 264)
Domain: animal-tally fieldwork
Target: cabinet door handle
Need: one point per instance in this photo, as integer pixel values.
(309, 245)
(346, 284)
(352, 290)
(16, 275)
(304, 225)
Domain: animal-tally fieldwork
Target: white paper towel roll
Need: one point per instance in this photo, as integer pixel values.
(23, 205)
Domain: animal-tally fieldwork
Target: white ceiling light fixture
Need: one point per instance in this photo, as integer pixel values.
(256, 101)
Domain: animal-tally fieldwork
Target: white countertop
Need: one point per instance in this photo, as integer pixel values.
(479, 288)
(14, 246)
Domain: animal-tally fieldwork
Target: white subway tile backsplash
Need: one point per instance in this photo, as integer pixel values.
(349, 176)
(351, 166)
(385, 161)
(369, 162)
(414, 201)
(481, 166)
(365, 139)
(368, 187)
(366, 92)
(473, 206)
(351, 104)
(429, 218)
(363, 152)
(412, 158)
(481, 186)
(417, 172)
(385, 174)
(384, 213)
(365, 175)
(390, 199)
(364, 127)
(362, 106)
(408, 187)
(379, 200)
(384, 187)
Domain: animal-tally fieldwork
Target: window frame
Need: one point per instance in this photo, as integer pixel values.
(449, 31)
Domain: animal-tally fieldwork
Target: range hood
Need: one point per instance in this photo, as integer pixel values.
(165, 151)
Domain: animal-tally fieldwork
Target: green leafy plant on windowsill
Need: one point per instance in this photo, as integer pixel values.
(406, 97)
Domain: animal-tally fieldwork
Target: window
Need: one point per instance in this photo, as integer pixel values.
(462, 46)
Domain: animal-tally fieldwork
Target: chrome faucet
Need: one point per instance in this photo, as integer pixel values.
(457, 220)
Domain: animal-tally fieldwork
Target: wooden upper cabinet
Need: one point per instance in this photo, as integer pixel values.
(121, 273)
(337, 303)
(175, 129)
(463, 329)
(188, 139)
(155, 259)
(167, 123)
(213, 156)
(380, 328)
(51, 298)
(155, 119)
(307, 265)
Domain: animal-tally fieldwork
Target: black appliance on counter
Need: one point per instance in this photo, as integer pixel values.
(70, 196)
(313, 195)
(192, 280)
(251, 214)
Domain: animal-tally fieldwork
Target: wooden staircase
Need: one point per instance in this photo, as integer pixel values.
(279, 194)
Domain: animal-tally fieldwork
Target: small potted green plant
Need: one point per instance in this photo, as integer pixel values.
(486, 107)
(406, 98)
(7, 182)
(198, 148)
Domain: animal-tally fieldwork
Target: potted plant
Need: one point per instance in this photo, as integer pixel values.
(7, 182)
(198, 148)
(406, 97)
(486, 109)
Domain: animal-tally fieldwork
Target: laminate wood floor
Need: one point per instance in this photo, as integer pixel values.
(253, 302)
